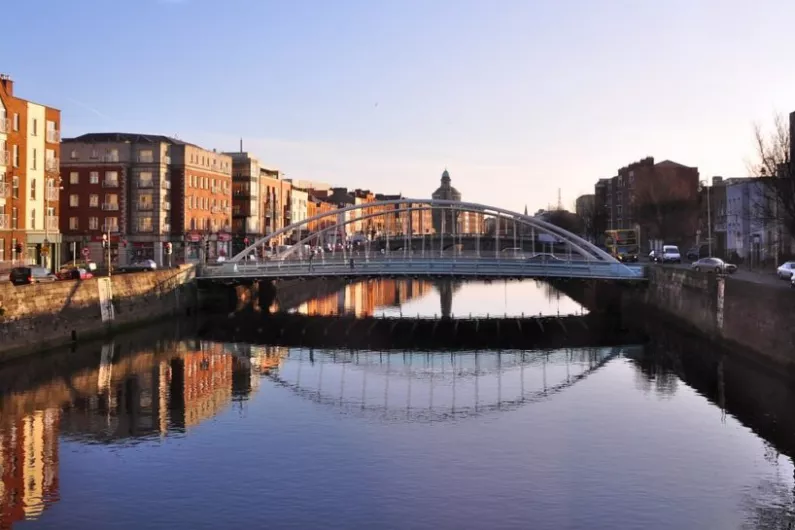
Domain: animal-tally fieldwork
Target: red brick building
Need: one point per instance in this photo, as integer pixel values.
(661, 199)
(145, 190)
(29, 180)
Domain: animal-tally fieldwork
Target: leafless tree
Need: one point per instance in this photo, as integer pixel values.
(776, 204)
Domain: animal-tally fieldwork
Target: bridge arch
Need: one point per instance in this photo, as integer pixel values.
(575, 242)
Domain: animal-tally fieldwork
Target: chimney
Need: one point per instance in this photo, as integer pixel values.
(241, 145)
(7, 83)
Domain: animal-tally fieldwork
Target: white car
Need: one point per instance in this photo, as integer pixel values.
(670, 254)
(786, 270)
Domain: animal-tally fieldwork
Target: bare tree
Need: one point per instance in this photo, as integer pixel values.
(664, 211)
(775, 205)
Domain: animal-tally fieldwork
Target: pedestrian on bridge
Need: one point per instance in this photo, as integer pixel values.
(351, 263)
(311, 258)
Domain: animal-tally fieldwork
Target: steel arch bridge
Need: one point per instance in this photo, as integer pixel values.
(554, 251)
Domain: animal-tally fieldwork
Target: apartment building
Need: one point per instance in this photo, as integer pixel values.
(144, 191)
(29, 180)
(661, 199)
(249, 199)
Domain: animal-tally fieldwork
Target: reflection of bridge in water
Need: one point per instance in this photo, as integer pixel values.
(433, 386)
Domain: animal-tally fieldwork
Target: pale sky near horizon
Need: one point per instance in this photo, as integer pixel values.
(517, 98)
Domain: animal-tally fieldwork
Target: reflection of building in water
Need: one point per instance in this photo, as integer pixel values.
(362, 299)
(265, 359)
(29, 457)
(194, 384)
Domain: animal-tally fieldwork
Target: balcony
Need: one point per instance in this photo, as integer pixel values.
(215, 209)
(51, 222)
(5, 125)
(110, 206)
(52, 164)
(5, 158)
(110, 227)
(146, 183)
(52, 194)
(53, 136)
(145, 160)
(110, 158)
(5, 221)
(110, 183)
(167, 160)
(166, 227)
(167, 206)
(5, 190)
(166, 184)
(145, 207)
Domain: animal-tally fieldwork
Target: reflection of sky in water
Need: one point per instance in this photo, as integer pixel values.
(498, 298)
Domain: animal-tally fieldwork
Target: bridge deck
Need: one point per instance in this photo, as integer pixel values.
(429, 267)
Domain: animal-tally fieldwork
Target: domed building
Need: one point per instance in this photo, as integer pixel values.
(447, 223)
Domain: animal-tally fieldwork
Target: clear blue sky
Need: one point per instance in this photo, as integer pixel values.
(516, 97)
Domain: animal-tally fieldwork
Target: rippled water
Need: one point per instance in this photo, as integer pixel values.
(163, 431)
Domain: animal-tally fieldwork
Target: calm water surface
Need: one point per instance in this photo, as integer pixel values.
(152, 432)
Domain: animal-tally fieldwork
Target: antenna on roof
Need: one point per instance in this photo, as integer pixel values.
(241, 145)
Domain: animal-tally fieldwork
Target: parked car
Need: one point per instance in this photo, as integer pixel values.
(792, 281)
(74, 273)
(698, 252)
(786, 271)
(28, 275)
(544, 258)
(715, 265)
(138, 266)
(514, 253)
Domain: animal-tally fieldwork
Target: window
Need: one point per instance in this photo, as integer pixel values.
(33, 189)
(111, 178)
(33, 219)
(145, 202)
(145, 179)
(14, 217)
(93, 177)
(15, 155)
(74, 177)
(146, 156)
(93, 223)
(94, 153)
(2, 249)
(111, 202)
(74, 200)
(73, 154)
(16, 122)
(112, 155)
(93, 201)
(35, 127)
(144, 224)
(74, 224)
(35, 159)
(112, 224)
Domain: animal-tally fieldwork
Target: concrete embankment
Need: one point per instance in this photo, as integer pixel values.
(749, 318)
(39, 316)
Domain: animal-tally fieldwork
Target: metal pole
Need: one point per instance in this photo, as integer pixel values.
(709, 220)
(497, 237)
(109, 264)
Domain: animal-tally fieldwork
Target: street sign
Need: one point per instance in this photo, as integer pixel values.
(86, 252)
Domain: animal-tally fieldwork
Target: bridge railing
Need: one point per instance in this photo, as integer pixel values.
(391, 266)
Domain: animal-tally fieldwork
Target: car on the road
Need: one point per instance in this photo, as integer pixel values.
(715, 265)
(28, 275)
(668, 254)
(139, 266)
(786, 271)
(74, 273)
(698, 252)
(544, 257)
(513, 253)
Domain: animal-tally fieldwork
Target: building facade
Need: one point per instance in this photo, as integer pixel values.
(659, 199)
(248, 199)
(144, 191)
(29, 181)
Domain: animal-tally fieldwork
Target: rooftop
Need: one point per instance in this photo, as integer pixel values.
(136, 138)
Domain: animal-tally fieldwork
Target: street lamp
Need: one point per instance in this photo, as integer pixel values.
(704, 187)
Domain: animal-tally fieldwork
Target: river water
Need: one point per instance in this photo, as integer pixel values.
(159, 430)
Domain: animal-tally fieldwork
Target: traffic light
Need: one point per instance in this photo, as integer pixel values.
(207, 248)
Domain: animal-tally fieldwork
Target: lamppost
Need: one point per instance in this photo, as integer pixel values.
(47, 192)
(708, 190)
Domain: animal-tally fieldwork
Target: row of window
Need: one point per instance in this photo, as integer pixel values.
(110, 223)
(15, 186)
(52, 161)
(208, 161)
(205, 224)
(207, 183)
(111, 178)
(34, 125)
(111, 201)
(50, 221)
(204, 203)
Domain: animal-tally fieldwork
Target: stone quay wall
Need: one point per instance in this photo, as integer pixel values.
(39, 316)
